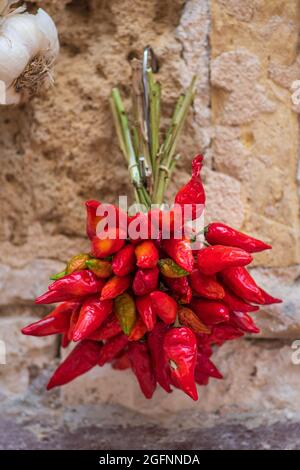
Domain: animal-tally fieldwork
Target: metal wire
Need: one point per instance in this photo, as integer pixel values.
(149, 61)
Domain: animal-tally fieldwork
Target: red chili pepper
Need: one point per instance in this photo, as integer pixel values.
(146, 255)
(155, 218)
(65, 340)
(220, 234)
(160, 365)
(144, 307)
(115, 286)
(244, 322)
(112, 348)
(181, 252)
(193, 192)
(80, 360)
(122, 362)
(206, 286)
(164, 306)
(92, 314)
(56, 322)
(180, 349)
(145, 281)
(142, 368)
(71, 287)
(242, 284)
(184, 299)
(200, 377)
(224, 332)
(269, 299)
(237, 305)
(206, 366)
(111, 327)
(164, 220)
(182, 291)
(213, 259)
(124, 261)
(73, 323)
(209, 311)
(179, 285)
(204, 345)
(138, 331)
(93, 219)
(138, 228)
(108, 243)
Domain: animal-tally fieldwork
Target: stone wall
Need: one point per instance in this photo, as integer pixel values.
(61, 149)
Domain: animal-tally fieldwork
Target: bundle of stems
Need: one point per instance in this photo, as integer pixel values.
(150, 160)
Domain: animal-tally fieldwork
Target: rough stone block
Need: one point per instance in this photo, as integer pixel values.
(23, 353)
(26, 283)
(257, 374)
(279, 320)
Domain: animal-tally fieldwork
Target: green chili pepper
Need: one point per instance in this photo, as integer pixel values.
(76, 263)
(100, 267)
(57, 276)
(125, 312)
(169, 268)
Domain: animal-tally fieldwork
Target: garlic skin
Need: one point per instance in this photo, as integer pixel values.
(7, 7)
(28, 48)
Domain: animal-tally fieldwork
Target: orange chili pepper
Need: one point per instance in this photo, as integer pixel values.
(115, 286)
(108, 243)
(146, 255)
(188, 318)
(138, 331)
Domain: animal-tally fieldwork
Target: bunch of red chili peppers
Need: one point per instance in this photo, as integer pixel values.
(155, 306)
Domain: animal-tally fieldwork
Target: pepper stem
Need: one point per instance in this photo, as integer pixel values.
(173, 364)
(56, 276)
(125, 140)
(150, 162)
(177, 323)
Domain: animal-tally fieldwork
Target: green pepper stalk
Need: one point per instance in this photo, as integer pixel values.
(150, 161)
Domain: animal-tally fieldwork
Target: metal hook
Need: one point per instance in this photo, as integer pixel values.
(149, 61)
(149, 56)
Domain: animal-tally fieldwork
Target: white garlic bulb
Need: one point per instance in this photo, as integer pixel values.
(28, 48)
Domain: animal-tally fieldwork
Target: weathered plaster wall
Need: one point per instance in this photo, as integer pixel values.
(61, 149)
(253, 44)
